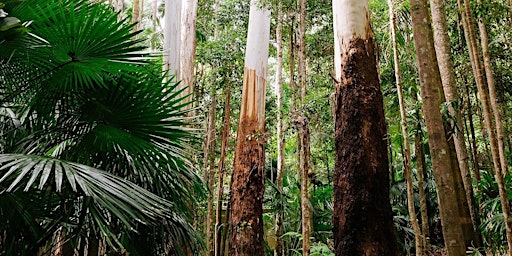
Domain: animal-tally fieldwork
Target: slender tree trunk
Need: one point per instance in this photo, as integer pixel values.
(172, 38)
(447, 72)
(220, 186)
(362, 214)
(476, 165)
(136, 11)
(418, 236)
(499, 130)
(210, 175)
(420, 169)
(430, 82)
(497, 149)
(493, 99)
(280, 134)
(188, 47)
(303, 133)
(247, 187)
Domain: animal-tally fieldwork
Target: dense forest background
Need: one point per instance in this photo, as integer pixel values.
(102, 152)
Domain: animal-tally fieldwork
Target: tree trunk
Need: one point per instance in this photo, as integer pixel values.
(420, 169)
(136, 14)
(362, 214)
(188, 47)
(496, 152)
(247, 187)
(430, 82)
(418, 235)
(499, 130)
(280, 250)
(304, 134)
(220, 186)
(210, 175)
(447, 72)
(172, 38)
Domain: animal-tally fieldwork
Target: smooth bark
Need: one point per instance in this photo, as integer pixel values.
(188, 47)
(430, 82)
(172, 38)
(362, 214)
(418, 235)
(280, 250)
(447, 72)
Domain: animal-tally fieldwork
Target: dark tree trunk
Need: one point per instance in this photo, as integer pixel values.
(362, 213)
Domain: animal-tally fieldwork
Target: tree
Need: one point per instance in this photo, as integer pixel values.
(431, 84)
(247, 187)
(418, 235)
(172, 38)
(362, 215)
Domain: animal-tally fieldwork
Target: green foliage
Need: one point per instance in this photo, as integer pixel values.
(94, 143)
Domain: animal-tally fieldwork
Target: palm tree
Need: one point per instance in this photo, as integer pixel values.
(94, 144)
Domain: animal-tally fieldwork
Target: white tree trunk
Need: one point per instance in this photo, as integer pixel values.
(188, 45)
(256, 58)
(172, 37)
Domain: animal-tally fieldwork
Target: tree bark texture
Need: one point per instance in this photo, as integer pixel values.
(499, 130)
(446, 69)
(487, 113)
(247, 187)
(220, 185)
(188, 47)
(430, 82)
(362, 214)
(418, 235)
(136, 14)
(280, 250)
(210, 176)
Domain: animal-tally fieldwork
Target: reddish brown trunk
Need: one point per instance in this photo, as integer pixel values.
(220, 185)
(246, 224)
(362, 215)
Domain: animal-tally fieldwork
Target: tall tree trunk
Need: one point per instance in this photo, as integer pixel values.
(493, 98)
(418, 236)
(172, 38)
(280, 250)
(304, 134)
(469, 108)
(447, 72)
(188, 47)
(430, 82)
(247, 187)
(210, 175)
(499, 130)
(362, 214)
(220, 185)
(500, 165)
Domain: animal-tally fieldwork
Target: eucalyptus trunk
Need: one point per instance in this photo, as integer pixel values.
(418, 236)
(188, 47)
(500, 165)
(362, 217)
(210, 175)
(447, 72)
(430, 82)
(220, 183)
(247, 187)
(499, 130)
(172, 38)
(304, 135)
(280, 250)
